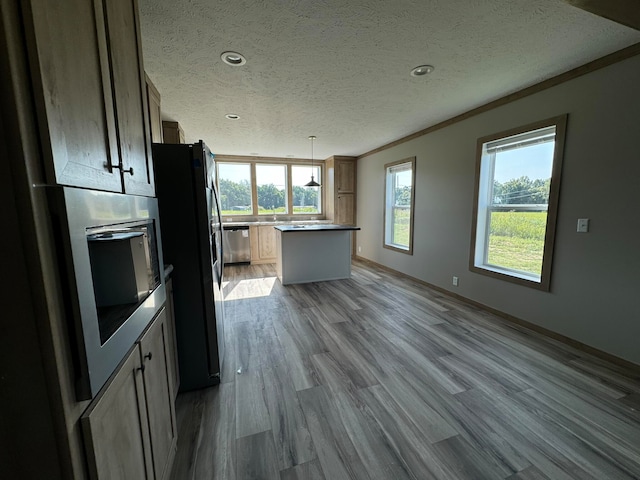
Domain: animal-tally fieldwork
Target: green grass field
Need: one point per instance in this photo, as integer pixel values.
(401, 226)
(516, 240)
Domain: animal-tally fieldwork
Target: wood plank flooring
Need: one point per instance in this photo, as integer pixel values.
(377, 377)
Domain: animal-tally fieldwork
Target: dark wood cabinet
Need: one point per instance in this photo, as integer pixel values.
(129, 95)
(65, 123)
(90, 94)
(130, 427)
(155, 112)
(155, 348)
(116, 427)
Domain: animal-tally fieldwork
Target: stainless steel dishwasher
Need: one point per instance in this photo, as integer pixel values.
(237, 244)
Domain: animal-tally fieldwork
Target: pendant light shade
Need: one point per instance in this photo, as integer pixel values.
(312, 183)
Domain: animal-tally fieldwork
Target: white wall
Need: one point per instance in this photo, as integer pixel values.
(595, 282)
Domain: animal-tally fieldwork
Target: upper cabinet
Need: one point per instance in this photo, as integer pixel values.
(345, 175)
(155, 112)
(90, 93)
(172, 132)
(341, 190)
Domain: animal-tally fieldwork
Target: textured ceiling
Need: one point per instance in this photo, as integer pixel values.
(340, 69)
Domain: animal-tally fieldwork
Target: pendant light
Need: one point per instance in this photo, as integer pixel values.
(312, 183)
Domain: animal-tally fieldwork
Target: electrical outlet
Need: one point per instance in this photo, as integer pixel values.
(583, 225)
(359, 249)
(455, 281)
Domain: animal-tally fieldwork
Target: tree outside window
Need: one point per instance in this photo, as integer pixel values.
(261, 188)
(399, 194)
(306, 200)
(518, 175)
(234, 184)
(272, 189)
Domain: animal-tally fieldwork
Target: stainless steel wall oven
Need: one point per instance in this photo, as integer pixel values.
(112, 267)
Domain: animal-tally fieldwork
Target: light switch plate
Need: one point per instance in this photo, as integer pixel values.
(583, 225)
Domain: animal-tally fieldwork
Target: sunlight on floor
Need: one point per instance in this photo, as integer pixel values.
(250, 288)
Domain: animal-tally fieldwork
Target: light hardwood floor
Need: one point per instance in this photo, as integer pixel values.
(380, 378)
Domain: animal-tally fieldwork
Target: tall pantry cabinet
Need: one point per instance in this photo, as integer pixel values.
(74, 113)
(341, 189)
(340, 192)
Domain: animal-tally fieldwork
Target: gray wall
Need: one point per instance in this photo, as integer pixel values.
(595, 283)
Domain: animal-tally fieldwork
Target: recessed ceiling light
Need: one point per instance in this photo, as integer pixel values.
(233, 58)
(232, 116)
(421, 70)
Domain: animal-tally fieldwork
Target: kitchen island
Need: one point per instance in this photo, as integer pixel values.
(313, 253)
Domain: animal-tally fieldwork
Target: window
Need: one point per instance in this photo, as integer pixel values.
(306, 200)
(234, 182)
(269, 187)
(517, 186)
(272, 189)
(398, 215)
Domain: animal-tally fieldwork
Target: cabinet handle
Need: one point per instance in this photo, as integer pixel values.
(141, 368)
(148, 355)
(110, 167)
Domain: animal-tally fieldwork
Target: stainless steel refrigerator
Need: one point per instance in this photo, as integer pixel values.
(192, 242)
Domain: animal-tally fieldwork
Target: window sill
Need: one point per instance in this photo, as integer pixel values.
(519, 278)
(408, 251)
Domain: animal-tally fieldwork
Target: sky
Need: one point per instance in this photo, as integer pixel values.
(534, 162)
(266, 173)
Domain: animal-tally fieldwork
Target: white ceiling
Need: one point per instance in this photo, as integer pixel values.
(339, 69)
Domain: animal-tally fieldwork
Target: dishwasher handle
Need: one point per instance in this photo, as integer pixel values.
(235, 228)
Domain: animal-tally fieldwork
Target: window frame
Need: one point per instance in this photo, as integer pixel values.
(251, 186)
(319, 178)
(504, 273)
(287, 197)
(390, 246)
(288, 163)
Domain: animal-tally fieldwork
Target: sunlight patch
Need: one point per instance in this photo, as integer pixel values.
(250, 288)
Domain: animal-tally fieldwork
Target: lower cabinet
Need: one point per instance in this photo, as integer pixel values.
(345, 209)
(130, 427)
(263, 244)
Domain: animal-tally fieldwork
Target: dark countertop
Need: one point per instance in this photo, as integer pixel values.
(314, 228)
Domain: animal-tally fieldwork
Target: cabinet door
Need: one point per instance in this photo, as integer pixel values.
(155, 113)
(345, 209)
(158, 395)
(345, 176)
(267, 243)
(263, 244)
(172, 132)
(116, 428)
(129, 92)
(70, 70)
